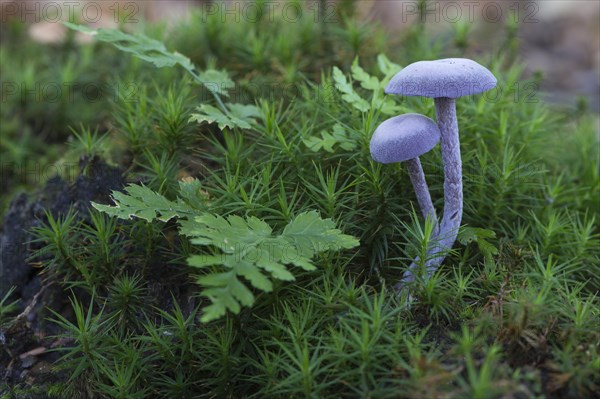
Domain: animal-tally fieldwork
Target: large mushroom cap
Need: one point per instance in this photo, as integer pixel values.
(450, 77)
(404, 137)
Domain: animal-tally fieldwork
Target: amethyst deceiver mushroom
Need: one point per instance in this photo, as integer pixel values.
(406, 138)
(444, 81)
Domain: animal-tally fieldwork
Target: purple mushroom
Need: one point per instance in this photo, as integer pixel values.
(444, 81)
(406, 138)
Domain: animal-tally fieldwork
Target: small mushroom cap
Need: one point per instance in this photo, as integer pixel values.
(450, 77)
(404, 137)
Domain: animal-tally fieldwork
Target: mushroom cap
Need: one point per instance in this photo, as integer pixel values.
(404, 137)
(449, 77)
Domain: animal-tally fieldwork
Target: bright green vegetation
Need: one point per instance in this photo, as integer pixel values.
(163, 305)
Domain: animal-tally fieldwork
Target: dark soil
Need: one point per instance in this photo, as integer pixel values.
(24, 346)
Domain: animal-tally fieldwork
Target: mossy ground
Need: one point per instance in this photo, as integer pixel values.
(519, 321)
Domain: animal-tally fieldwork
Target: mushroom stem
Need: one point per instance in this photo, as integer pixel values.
(417, 178)
(445, 109)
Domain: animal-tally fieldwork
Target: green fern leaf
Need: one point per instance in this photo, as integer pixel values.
(348, 94)
(311, 235)
(216, 81)
(139, 45)
(327, 141)
(367, 81)
(467, 235)
(241, 253)
(247, 248)
(239, 115)
(155, 52)
(141, 202)
(387, 67)
(386, 106)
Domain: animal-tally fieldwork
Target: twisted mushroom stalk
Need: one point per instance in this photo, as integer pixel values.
(417, 178)
(453, 195)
